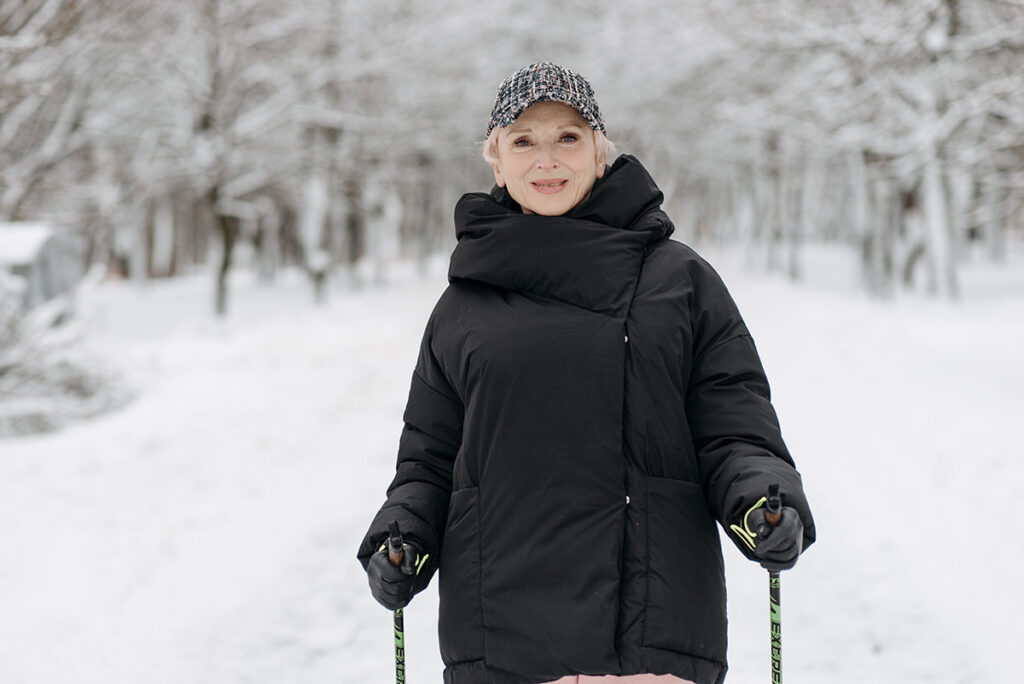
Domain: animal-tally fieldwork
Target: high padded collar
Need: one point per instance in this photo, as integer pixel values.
(590, 257)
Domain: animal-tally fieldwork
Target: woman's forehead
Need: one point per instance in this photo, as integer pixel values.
(549, 113)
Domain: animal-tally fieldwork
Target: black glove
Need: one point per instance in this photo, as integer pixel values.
(393, 585)
(778, 547)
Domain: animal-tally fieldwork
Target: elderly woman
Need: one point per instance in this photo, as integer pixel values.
(586, 404)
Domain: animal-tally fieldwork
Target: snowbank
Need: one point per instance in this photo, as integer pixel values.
(207, 531)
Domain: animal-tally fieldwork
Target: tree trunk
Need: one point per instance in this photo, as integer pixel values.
(269, 232)
(938, 231)
(960, 188)
(882, 232)
(139, 256)
(355, 225)
(382, 232)
(993, 212)
(161, 246)
(798, 188)
(744, 203)
(812, 192)
(201, 229)
(227, 227)
(775, 216)
(859, 204)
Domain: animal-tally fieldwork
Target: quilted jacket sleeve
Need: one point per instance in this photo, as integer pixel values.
(735, 429)
(418, 496)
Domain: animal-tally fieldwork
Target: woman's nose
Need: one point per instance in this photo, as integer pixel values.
(546, 158)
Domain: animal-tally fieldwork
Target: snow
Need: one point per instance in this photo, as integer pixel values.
(20, 242)
(207, 531)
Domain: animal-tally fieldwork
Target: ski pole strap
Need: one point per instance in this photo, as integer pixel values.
(745, 533)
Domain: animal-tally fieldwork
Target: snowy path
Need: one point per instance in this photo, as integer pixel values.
(205, 534)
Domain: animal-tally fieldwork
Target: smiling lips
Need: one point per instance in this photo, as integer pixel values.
(549, 186)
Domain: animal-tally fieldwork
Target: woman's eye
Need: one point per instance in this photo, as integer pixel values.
(520, 142)
(570, 138)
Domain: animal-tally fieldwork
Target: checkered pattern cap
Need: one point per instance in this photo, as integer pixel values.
(542, 82)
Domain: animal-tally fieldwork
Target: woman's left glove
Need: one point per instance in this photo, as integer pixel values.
(393, 585)
(777, 548)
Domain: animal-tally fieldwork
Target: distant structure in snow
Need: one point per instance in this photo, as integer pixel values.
(50, 261)
(48, 375)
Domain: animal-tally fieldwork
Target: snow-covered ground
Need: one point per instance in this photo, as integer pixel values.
(205, 534)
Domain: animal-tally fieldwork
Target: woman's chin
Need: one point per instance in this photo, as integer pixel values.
(548, 205)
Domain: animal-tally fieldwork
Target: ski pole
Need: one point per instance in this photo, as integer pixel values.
(395, 556)
(772, 515)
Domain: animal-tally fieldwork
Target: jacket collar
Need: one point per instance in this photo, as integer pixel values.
(590, 257)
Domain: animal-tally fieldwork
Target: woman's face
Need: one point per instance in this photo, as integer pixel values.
(547, 159)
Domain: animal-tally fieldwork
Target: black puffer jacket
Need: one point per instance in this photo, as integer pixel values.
(587, 402)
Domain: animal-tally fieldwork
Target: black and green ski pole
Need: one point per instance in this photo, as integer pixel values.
(773, 514)
(395, 556)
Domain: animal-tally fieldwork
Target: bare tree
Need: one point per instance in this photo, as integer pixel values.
(44, 86)
(921, 91)
(173, 130)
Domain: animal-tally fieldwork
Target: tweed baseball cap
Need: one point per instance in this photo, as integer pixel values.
(543, 82)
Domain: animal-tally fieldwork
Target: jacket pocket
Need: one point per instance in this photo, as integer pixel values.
(685, 604)
(460, 624)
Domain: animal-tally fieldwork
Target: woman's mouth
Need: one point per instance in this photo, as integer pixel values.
(549, 186)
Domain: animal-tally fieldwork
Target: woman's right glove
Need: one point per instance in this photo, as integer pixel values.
(393, 585)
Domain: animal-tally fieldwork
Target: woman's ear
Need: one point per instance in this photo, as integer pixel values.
(499, 180)
(602, 157)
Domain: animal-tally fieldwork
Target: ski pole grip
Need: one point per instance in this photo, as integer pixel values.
(394, 544)
(773, 512)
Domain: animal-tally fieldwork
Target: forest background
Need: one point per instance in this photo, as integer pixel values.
(325, 133)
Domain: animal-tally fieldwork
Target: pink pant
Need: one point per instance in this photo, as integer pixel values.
(629, 679)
